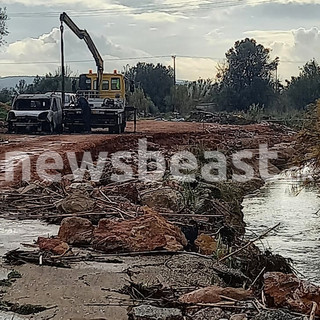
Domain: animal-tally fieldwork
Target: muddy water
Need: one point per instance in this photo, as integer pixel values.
(12, 235)
(287, 201)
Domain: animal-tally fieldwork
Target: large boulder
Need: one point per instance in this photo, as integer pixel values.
(76, 231)
(145, 233)
(287, 290)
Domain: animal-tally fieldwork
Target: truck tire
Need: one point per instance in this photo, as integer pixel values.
(10, 127)
(48, 128)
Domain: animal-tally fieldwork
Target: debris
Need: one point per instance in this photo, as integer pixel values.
(276, 315)
(76, 231)
(24, 309)
(241, 316)
(286, 290)
(80, 186)
(18, 257)
(147, 312)
(209, 314)
(214, 294)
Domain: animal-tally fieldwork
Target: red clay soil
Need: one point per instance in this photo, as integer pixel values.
(169, 135)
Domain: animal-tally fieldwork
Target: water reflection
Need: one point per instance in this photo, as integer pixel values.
(296, 206)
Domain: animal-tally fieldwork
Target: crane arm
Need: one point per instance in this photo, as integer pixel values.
(84, 35)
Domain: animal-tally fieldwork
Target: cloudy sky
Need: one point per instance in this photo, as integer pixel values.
(198, 32)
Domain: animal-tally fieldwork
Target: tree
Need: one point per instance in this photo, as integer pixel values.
(155, 80)
(305, 88)
(21, 87)
(51, 82)
(179, 100)
(143, 104)
(247, 78)
(6, 95)
(3, 24)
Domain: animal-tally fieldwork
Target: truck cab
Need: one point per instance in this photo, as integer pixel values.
(107, 104)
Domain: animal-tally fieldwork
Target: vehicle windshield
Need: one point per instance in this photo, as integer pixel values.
(29, 104)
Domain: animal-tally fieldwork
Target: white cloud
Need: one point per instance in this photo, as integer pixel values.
(194, 68)
(294, 47)
(41, 55)
(158, 17)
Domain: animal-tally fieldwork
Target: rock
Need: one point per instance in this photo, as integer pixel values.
(165, 198)
(209, 314)
(276, 315)
(287, 290)
(145, 233)
(54, 245)
(83, 187)
(241, 316)
(146, 312)
(213, 294)
(206, 244)
(75, 230)
(77, 201)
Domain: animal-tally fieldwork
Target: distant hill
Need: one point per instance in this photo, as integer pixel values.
(10, 82)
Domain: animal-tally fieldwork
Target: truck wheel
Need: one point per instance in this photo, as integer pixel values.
(10, 128)
(48, 127)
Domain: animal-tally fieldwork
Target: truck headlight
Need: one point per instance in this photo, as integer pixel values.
(43, 116)
(11, 116)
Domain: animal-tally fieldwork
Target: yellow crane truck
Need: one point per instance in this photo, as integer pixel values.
(105, 92)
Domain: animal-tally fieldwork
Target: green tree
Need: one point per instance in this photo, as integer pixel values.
(6, 95)
(3, 24)
(51, 82)
(247, 78)
(143, 103)
(155, 80)
(305, 88)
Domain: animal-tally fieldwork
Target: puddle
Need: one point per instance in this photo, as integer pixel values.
(287, 201)
(13, 233)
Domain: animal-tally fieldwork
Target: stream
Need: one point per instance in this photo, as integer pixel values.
(286, 200)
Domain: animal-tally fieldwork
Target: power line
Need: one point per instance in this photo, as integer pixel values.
(134, 58)
(146, 8)
(84, 61)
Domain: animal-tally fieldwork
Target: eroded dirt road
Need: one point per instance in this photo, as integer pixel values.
(170, 135)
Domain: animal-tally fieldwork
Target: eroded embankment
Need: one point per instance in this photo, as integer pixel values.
(140, 242)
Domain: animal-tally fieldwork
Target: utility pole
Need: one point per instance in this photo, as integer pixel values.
(174, 70)
(277, 78)
(174, 82)
(62, 66)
